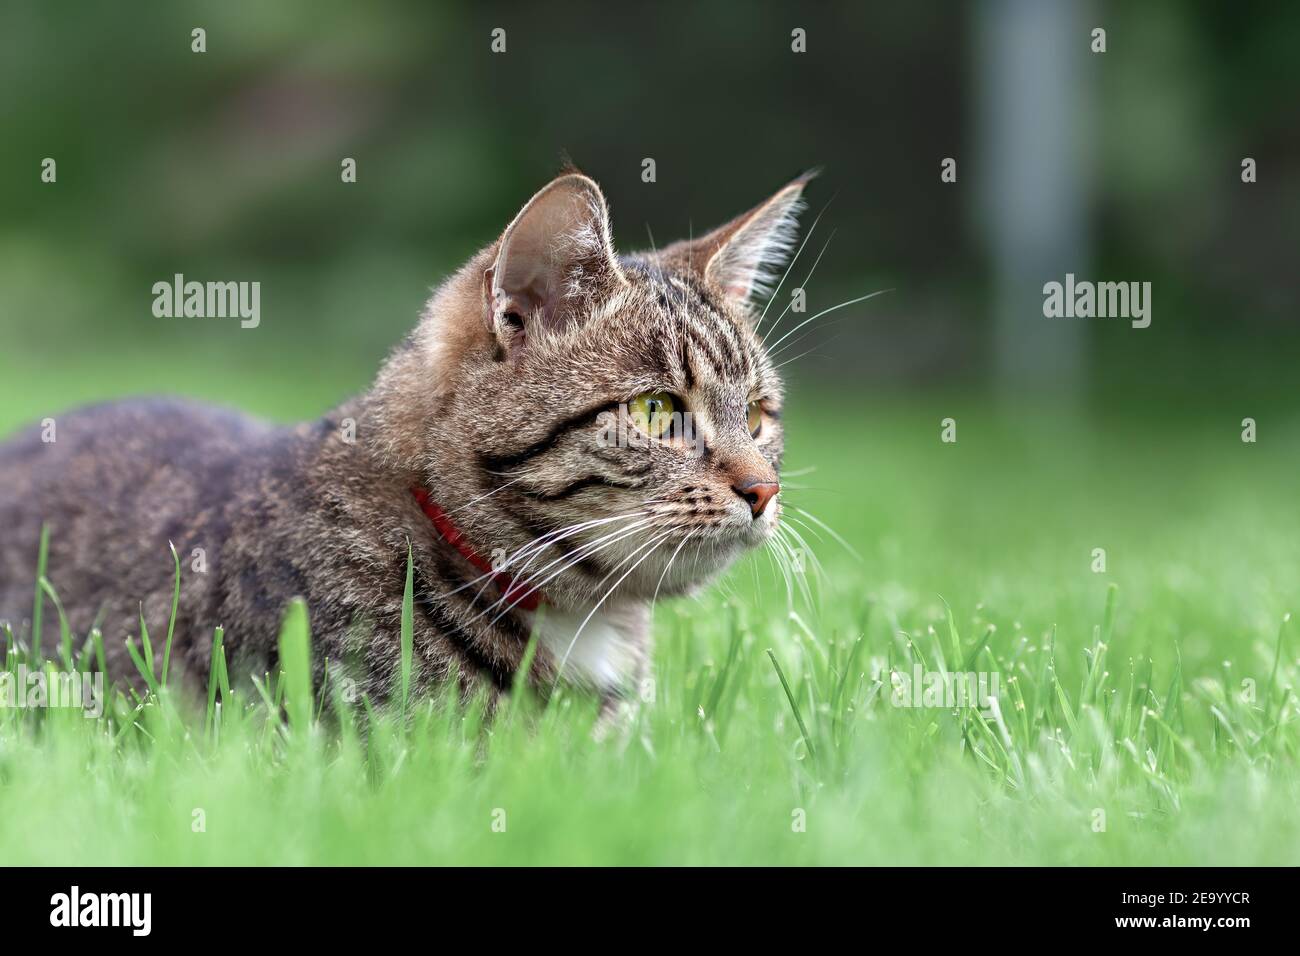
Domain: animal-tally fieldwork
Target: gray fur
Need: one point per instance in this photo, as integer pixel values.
(473, 406)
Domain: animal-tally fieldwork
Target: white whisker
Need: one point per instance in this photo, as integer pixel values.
(538, 543)
(653, 545)
(585, 551)
(827, 528)
(667, 567)
(482, 497)
(813, 318)
(782, 365)
(799, 472)
(804, 286)
(811, 230)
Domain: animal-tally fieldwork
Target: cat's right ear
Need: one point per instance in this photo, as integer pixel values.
(556, 253)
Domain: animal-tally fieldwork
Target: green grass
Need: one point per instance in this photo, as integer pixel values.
(772, 737)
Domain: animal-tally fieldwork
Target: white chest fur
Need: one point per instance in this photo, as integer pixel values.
(605, 652)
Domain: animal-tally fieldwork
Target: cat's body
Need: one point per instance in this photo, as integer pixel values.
(273, 513)
(486, 435)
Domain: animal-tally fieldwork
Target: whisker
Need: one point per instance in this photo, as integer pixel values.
(520, 584)
(806, 280)
(800, 578)
(811, 230)
(778, 560)
(690, 249)
(795, 359)
(540, 542)
(653, 544)
(586, 551)
(482, 497)
(818, 569)
(806, 549)
(667, 567)
(799, 472)
(827, 528)
(814, 318)
(786, 516)
(813, 331)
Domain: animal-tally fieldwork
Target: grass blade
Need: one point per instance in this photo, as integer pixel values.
(214, 674)
(408, 628)
(794, 706)
(171, 621)
(148, 649)
(42, 558)
(295, 665)
(145, 670)
(65, 632)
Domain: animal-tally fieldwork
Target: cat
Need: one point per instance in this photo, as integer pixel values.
(567, 435)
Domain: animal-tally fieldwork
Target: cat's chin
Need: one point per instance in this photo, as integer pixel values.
(687, 567)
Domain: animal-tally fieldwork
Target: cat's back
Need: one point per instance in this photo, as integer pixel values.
(115, 446)
(115, 483)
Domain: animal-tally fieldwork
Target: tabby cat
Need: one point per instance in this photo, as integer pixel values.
(565, 436)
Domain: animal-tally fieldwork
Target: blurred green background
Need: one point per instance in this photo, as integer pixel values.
(226, 166)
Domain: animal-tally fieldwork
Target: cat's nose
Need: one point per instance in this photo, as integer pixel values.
(758, 493)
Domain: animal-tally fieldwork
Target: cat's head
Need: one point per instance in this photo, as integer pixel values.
(597, 415)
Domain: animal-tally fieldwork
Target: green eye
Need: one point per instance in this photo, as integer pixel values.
(755, 418)
(652, 412)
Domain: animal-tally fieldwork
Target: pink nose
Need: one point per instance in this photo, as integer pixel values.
(757, 493)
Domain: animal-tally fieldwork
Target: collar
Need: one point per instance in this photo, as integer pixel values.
(514, 593)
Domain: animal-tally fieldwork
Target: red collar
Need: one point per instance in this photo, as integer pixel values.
(514, 593)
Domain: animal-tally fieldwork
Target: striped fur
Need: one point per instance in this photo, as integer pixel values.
(500, 403)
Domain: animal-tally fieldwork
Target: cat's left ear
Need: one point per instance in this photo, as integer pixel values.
(556, 253)
(744, 258)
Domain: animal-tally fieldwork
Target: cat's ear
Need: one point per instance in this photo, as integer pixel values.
(744, 258)
(556, 253)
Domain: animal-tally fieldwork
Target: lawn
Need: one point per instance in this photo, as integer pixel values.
(1145, 712)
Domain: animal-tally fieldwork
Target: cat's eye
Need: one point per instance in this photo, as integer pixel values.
(755, 418)
(652, 412)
